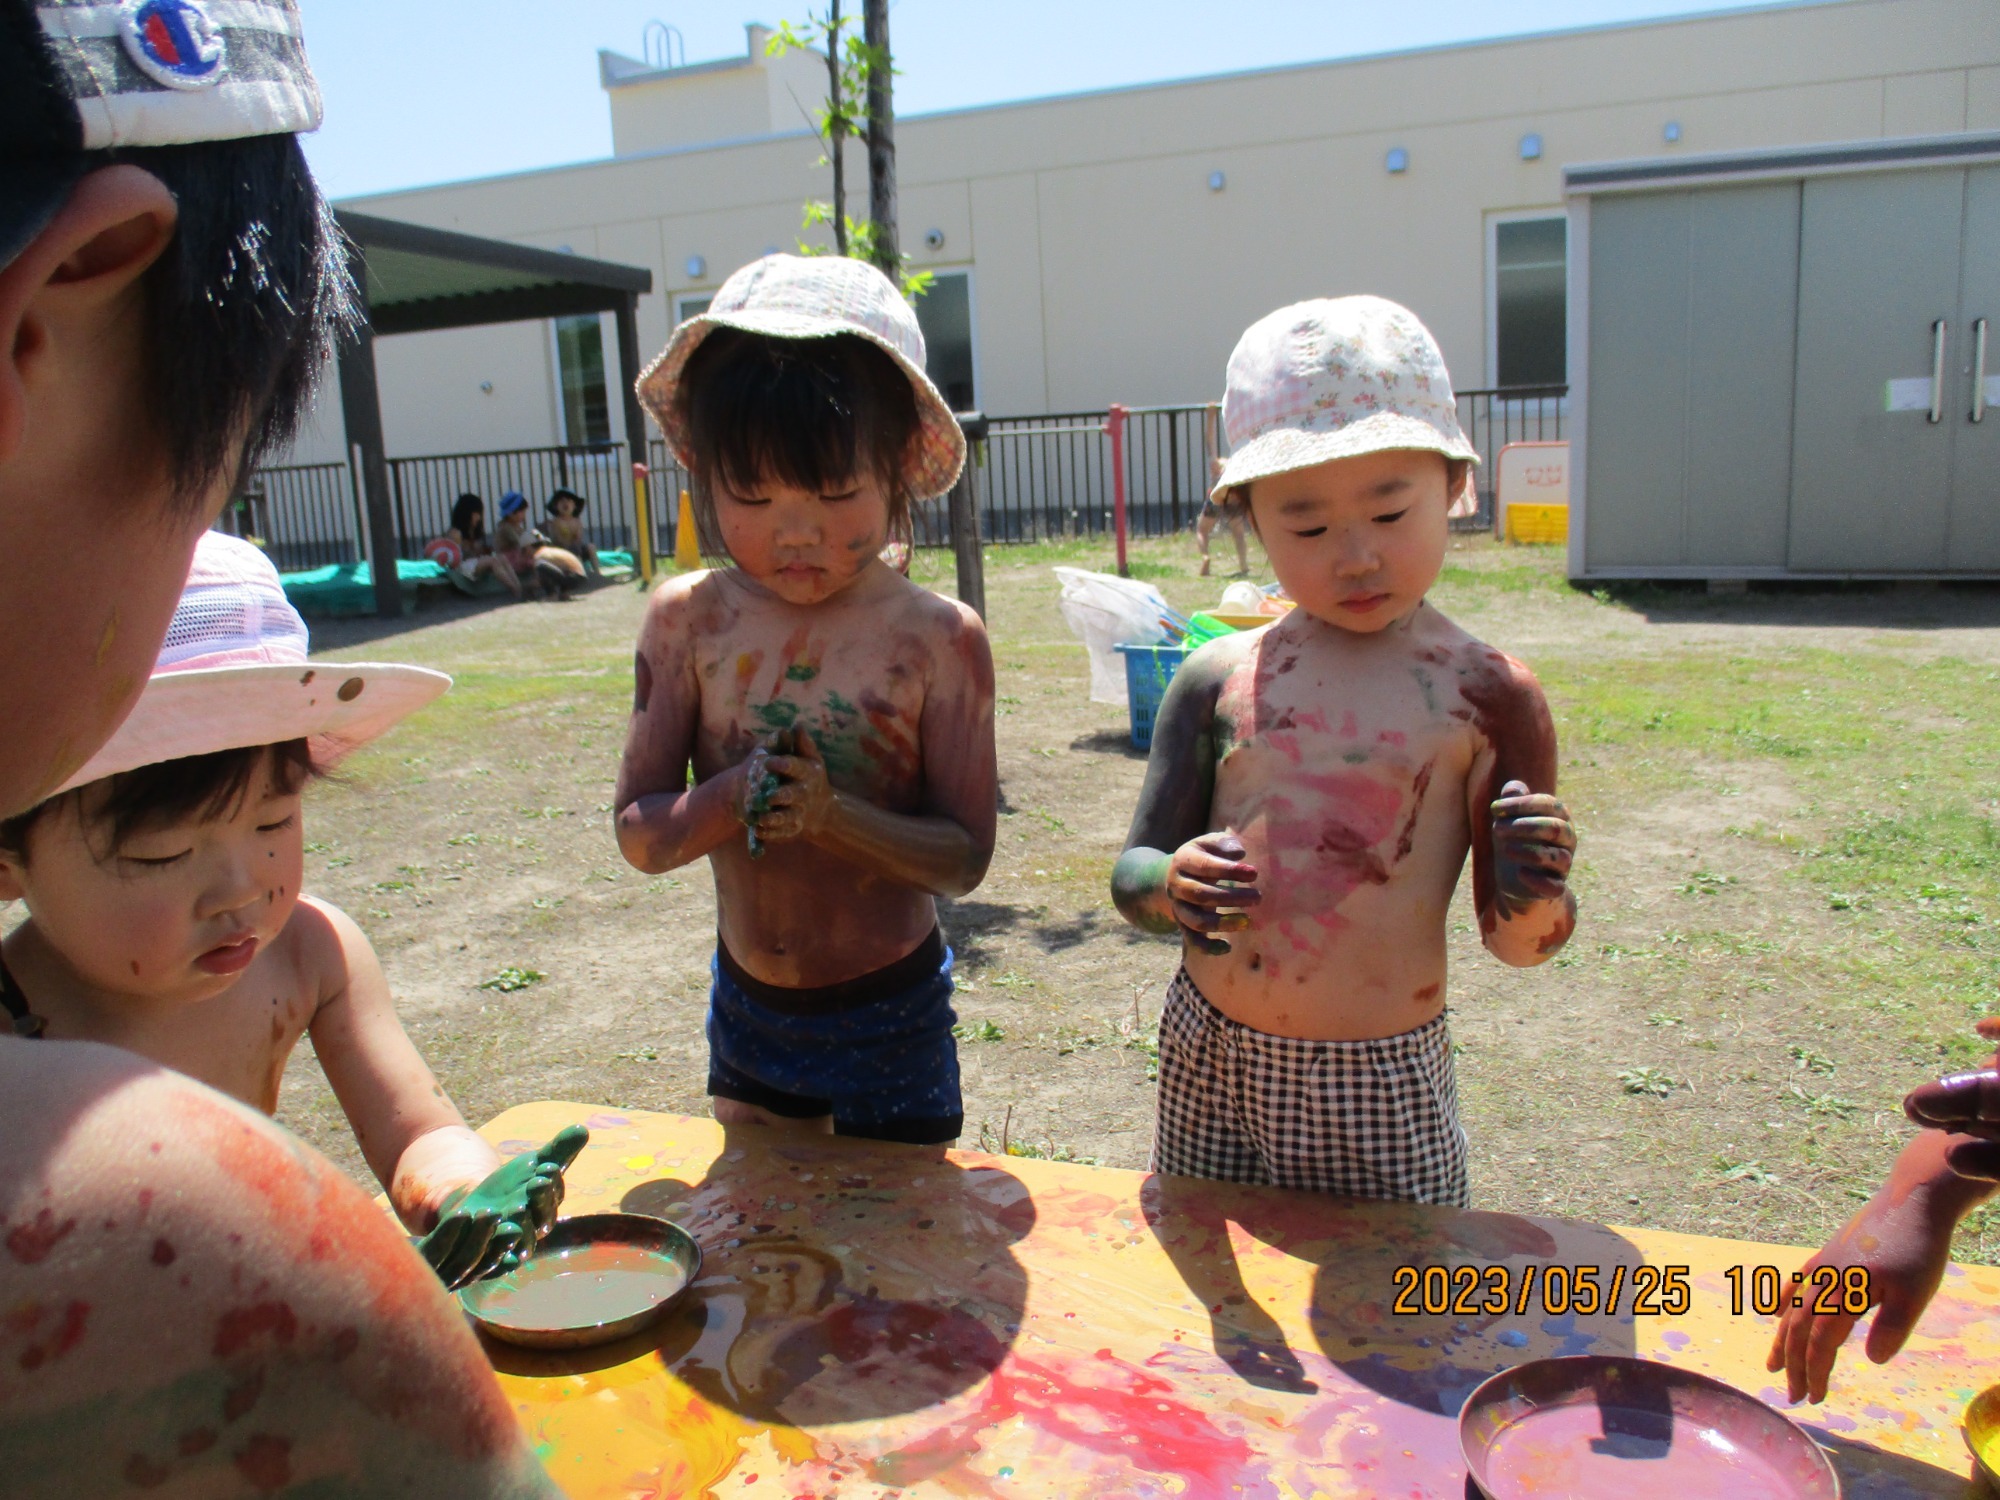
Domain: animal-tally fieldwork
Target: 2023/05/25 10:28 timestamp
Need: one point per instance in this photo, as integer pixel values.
(1647, 1291)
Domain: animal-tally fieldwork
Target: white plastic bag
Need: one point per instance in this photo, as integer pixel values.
(1105, 611)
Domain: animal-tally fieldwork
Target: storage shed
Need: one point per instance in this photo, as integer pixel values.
(1783, 363)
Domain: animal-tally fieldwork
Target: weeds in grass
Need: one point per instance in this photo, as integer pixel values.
(390, 886)
(1006, 1145)
(1745, 1171)
(1825, 1104)
(1705, 883)
(547, 903)
(510, 979)
(1811, 1061)
(645, 1052)
(978, 1031)
(1648, 1080)
(317, 846)
(1662, 1018)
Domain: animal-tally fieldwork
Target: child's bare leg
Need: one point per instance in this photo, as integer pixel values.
(1240, 530)
(1202, 527)
(736, 1112)
(503, 570)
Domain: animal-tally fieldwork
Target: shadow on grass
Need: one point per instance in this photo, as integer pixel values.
(1109, 742)
(1808, 603)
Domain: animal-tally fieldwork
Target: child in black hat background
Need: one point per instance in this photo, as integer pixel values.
(565, 528)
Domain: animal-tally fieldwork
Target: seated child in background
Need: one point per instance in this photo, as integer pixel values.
(565, 527)
(165, 916)
(465, 553)
(1314, 787)
(553, 571)
(1902, 1235)
(838, 718)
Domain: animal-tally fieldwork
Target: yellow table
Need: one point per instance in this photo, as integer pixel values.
(875, 1319)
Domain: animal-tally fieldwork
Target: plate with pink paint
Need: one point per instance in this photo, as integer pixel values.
(594, 1278)
(1613, 1425)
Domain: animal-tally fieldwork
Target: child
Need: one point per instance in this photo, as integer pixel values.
(165, 917)
(1315, 786)
(838, 718)
(465, 552)
(565, 527)
(528, 552)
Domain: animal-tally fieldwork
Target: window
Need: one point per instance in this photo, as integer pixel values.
(586, 408)
(945, 315)
(1528, 317)
(694, 307)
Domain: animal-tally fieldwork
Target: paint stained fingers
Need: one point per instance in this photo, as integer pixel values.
(1965, 1103)
(1976, 1159)
(1825, 1333)
(508, 1246)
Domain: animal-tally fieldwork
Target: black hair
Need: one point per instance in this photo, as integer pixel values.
(243, 305)
(463, 510)
(167, 792)
(804, 412)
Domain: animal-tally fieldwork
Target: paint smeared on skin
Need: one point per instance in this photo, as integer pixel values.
(642, 682)
(164, 1254)
(1427, 994)
(144, 1473)
(241, 1397)
(1406, 840)
(800, 671)
(266, 1462)
(196, 1441)
(1509, 711)
(63, 1337)
(31, 1243)
(241, 1326)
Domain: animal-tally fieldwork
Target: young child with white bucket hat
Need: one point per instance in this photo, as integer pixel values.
(1316, 785)
(814, 723)
(165, 915)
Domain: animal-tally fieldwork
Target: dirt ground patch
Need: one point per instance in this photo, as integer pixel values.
(1789, 879)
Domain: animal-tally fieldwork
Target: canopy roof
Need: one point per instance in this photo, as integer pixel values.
(420, 279)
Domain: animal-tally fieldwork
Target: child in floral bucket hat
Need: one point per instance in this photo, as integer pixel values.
(1315, 786)
(814, 723)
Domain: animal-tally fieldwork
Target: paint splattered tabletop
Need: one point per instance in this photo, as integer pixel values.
(874, 1319)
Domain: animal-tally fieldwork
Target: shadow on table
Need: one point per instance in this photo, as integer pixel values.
(1427, 1360)
(833, 1289)
(1867, 1473)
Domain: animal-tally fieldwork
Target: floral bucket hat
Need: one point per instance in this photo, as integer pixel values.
(1336, 377)
(816, 297)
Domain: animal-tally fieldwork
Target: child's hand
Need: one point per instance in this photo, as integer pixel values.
(1965, 1104)
(797, 807)
(1533, 843)
(753, 796)
(1904, 1254)
(1194, 888)
(495, 1225)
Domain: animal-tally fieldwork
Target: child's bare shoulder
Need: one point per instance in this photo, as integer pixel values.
(698, 601)
(918, 609)
(1502, 698)
(322, 943)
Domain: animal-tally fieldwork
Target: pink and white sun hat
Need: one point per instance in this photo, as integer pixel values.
(816, 297)
(233, 672)
(1336, 377)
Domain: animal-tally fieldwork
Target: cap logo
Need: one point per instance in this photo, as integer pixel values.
(174, 42)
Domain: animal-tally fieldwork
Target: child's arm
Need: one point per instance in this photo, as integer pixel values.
(1902, 1239)
(1169, 877)
(1522, 837)
(414, 1138)
(944, 849)
(662, 822)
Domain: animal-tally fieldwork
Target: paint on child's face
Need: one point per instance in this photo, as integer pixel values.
(1356, 541)
(803, 546)
(176, 914)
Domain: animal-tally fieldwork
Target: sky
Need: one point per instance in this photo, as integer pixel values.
(425, 91)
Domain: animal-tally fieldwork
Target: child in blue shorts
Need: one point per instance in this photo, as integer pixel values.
(837, 719)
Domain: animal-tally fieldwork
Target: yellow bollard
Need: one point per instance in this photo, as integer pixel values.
(687, 548)
(642, 522)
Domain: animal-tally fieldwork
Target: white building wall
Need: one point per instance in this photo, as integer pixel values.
(1104, 268)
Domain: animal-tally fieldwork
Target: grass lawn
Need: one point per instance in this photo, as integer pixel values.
(1789, 875)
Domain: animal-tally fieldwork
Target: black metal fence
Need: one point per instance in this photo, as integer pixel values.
(1036, 478)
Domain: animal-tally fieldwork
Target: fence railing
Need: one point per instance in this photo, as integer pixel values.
(1035, 478)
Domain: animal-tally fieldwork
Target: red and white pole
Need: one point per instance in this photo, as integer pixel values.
(1114, 424)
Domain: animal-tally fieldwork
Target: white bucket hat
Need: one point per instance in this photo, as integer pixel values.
(233, 672)
(816, 297)
(1336, 377)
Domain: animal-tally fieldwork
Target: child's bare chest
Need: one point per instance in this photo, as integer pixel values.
(1360, 759)
(862, 700)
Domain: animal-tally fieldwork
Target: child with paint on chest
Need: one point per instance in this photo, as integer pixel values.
(165, 916)
(1314, 787)
(815, 724)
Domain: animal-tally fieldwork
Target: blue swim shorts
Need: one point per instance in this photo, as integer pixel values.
(875, 1052)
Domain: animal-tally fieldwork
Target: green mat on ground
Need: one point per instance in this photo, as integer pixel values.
(349, 588)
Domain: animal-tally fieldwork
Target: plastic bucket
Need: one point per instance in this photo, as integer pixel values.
(1148, 670)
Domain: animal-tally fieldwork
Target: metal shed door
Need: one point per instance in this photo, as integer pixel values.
(1878, 298)
(1972, 381)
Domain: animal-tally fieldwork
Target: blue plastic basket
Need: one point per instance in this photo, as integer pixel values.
(1148, 670)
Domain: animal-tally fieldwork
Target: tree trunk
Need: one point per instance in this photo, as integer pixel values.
(881, 138)
(836, 130)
